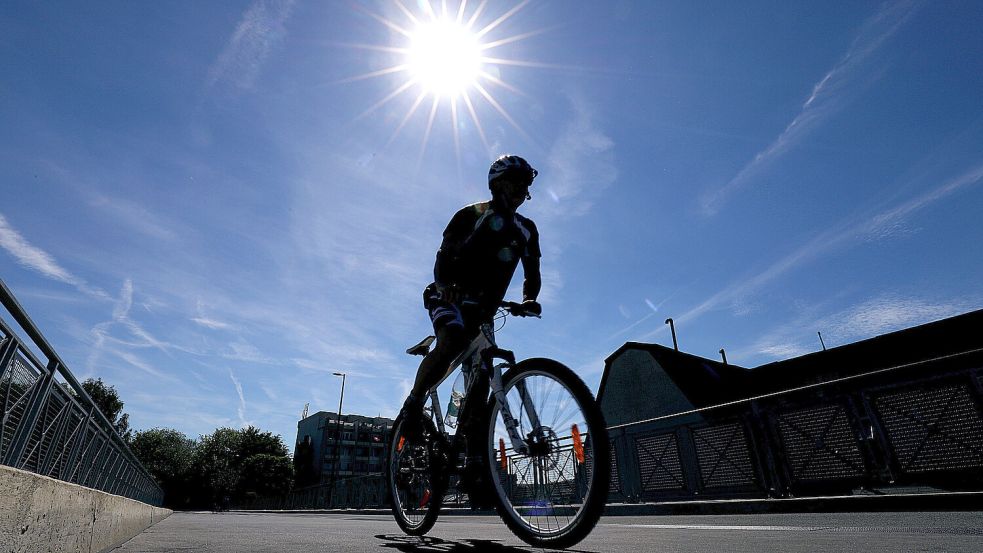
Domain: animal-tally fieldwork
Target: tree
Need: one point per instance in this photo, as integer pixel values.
(167, 454)
(217, 466)
(304, 472)
(237, 463)
(265, 475)
(256, 442)
(108, 402)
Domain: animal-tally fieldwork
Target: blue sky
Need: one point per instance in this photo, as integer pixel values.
(215, 206)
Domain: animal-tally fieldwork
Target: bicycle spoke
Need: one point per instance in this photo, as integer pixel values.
(543, 487)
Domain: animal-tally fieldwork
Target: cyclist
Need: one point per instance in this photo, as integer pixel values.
(481, 247)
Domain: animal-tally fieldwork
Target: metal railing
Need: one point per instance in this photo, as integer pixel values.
(51, 426)
(353, 492)
(914, 427)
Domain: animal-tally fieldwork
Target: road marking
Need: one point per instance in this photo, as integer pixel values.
(722, 527)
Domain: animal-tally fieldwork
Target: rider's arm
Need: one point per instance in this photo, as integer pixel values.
(447, 265)
(532, 282)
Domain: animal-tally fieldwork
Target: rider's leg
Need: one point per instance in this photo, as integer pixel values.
(451, 341)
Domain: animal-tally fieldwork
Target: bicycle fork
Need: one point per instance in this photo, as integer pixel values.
(520, 444)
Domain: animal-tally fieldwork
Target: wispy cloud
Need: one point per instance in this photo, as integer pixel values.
(244, 351)
(581, 163)
(121, 315)
(828, 96)
(888, 314)
(206, 321)
(881, 315)
(135, 338)
(38, 260)
(854, 230)
(210, 323)
(888, 222)
(135, 217)
(653, 310)
(241, 410)
(258, 32)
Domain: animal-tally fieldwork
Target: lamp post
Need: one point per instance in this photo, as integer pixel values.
(337, 438)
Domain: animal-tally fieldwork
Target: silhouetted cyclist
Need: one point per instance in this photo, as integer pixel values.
(482, 245)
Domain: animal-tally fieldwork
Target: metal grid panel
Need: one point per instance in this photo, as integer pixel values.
(91, 476)
(819, 443)
(723, 456)
(89, 449)
(933, 429)
(659, 466)
(15, 392)
(68, 443)
(40, 444)
(556, 478)
(614, 484)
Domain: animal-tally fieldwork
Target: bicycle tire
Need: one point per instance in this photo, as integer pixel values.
(415, 521)
(534, 517)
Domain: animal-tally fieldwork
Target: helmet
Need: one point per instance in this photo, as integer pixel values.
(512, 167)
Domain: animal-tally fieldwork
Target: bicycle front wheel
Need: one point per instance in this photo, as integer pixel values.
(552, 495)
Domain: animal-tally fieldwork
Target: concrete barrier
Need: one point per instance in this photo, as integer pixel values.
(38, 513)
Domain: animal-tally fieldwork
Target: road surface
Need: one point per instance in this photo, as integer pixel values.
(758, 533)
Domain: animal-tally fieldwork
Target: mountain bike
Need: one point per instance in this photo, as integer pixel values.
(531, 441)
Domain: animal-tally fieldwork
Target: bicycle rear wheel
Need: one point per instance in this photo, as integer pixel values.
(413, 477)
(553, 495)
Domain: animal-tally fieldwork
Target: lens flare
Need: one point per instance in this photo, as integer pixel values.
(444, 57)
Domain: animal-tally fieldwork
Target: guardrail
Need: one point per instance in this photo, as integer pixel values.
(908, 427)
(51, 426)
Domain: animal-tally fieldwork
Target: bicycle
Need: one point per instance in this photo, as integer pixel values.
(533, 438)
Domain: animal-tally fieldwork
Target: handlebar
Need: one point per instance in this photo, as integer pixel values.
(512, 308)
(519, 310)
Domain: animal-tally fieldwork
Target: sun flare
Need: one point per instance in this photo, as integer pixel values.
(444, 57)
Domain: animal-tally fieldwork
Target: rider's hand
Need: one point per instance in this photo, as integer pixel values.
(450, 293)
(532, 308)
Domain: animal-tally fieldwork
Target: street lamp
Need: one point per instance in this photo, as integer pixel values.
(337, 439)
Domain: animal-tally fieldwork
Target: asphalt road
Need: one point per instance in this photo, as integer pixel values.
(762, 533)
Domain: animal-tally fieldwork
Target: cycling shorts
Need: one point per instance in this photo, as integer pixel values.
(444, 313)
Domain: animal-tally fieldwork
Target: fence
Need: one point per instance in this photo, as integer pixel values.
(50, 425)
(912, 427)
(356, 492)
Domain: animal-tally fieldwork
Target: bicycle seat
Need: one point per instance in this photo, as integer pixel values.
(423, 347)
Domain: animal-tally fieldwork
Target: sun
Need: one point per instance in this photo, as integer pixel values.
(444, 57)
(447, 57)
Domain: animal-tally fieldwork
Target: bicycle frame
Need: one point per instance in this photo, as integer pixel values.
(476, 359)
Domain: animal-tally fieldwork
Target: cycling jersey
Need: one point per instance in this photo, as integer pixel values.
(481, 248)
